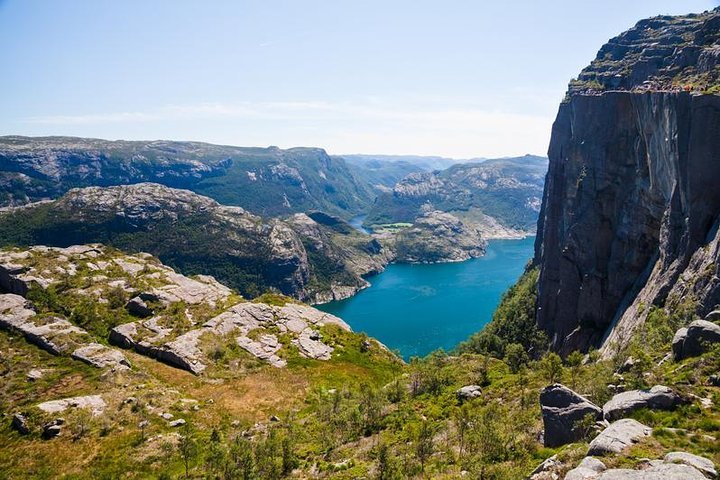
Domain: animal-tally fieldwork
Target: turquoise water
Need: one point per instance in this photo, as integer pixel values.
(419, 308)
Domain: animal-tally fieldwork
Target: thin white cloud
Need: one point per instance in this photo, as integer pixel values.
(371, 125)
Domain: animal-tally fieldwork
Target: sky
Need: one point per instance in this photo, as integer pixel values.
(456, 78)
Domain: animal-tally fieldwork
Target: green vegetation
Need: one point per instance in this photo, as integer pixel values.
(513, 323)
(360, 414)
(266, 181)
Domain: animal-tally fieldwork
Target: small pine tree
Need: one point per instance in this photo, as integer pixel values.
(551, 367)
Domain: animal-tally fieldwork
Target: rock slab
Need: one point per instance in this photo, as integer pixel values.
(618, 436)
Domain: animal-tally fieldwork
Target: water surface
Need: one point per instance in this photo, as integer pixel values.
(419, 308)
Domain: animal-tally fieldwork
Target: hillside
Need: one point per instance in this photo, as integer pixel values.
(114, 365)
(501, 196)
(265, 181)
(298, 257)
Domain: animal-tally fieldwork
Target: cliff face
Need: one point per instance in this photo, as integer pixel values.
(631, 205)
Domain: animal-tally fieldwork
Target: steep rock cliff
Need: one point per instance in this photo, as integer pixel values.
(631, 204)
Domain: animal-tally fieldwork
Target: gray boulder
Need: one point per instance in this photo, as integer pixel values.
(562, 409)
(656, 471)
(677, 343)
(618, 436)
(588, 468)
(702, 464)
(20, 423)
(468, 392)
(658, 397)
(137, 307)
(695, 341)
(713, 316)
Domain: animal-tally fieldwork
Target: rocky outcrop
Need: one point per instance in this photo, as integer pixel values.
(186, 350)
(630, 208)
(500, 197)
(658, 397)
(588, 468)
(438, 237)
(192, 320)
(618, 436)
(94, 403)
(697, 338)
(702, 464)
(299, 257)
(56, 335)
(331, 242)
(562, 409)
(100, 356)
(654, 470)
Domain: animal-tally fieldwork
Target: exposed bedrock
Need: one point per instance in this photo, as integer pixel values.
(630, 213)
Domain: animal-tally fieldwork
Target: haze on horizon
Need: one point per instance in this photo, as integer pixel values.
(457, 79)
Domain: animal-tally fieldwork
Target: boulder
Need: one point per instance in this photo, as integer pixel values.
(656, 471)
(20, 423)
(34, 374)
(547, 470)
(52, 429)
(468, 392)
(562, 409)
(618, 436)
(677, 343)
(713, 316)
(696, 340)
(627, 365)
(588, 468)
(177, 423)
(658, 397)
(702, 464)
(137, 307)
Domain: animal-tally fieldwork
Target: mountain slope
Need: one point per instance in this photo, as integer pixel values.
(197, 235)
(499, 195)
(266, 181)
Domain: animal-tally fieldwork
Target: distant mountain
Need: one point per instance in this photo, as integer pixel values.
(502, 196)
(266, 181)
(382, 175)
(426, 163)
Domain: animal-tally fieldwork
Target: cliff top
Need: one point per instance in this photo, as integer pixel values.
(664, 53)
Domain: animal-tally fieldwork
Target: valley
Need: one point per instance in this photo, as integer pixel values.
(187, 310)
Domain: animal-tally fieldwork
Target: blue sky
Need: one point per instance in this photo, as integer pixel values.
(453, 78)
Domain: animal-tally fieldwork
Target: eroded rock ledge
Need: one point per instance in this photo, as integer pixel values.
(185, 322)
